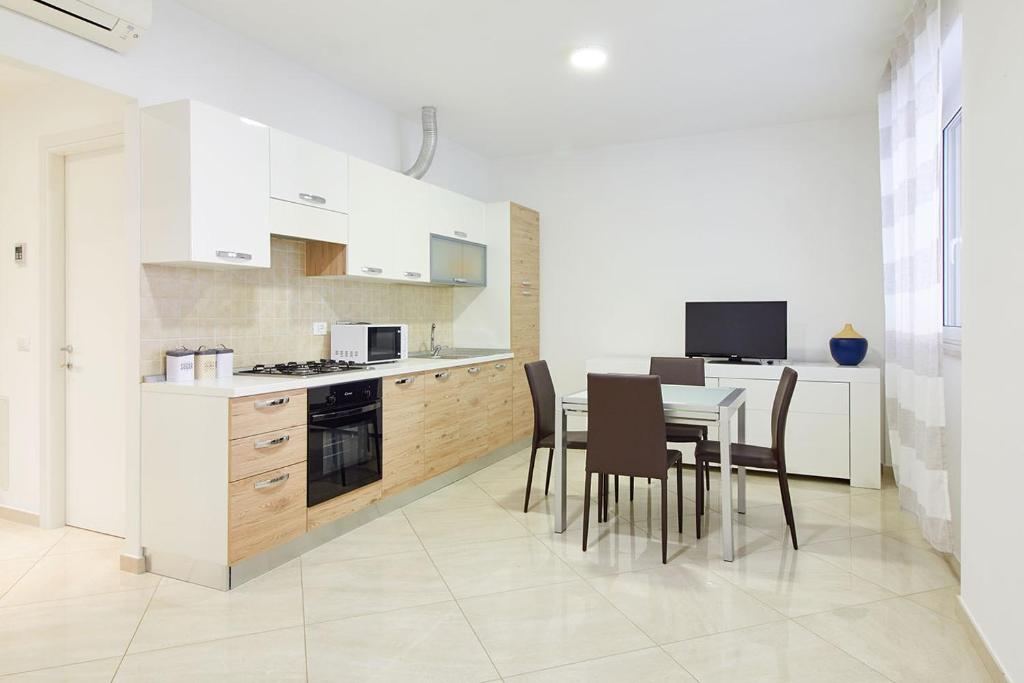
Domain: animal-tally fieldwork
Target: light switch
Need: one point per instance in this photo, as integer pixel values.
(320, 328)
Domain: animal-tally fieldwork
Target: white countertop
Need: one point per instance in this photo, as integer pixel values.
(250, 385)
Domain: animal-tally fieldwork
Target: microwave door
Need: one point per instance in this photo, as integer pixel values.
(384, 343)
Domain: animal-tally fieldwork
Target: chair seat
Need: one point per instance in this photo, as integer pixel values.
(576, 440)
(677, 433)
(743, 455)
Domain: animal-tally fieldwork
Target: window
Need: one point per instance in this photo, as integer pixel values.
(952, 240)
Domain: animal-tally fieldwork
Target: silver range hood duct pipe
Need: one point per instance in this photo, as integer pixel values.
(429, 146)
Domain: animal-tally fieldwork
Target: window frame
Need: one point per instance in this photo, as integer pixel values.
(952, 325)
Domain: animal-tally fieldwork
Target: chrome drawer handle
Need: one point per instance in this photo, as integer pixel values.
(525, 293)
(312, 198)
(405, 380)
(526, 283)
(273, 481)
(373, 269)
(473, 371)
(441, 375)
(271, 402)
(276, 441)
(460, 280)
(500, 366)
(236, 255)
(413, 273)
(460, 233)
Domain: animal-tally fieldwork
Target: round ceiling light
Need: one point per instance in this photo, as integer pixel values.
(589, 58)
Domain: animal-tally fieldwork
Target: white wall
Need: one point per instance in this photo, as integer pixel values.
(25, 122)
(993, 280)
(629, 233)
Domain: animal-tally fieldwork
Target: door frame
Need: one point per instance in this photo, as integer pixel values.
(53, 307)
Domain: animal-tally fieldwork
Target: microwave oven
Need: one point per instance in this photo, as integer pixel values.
(365, 343)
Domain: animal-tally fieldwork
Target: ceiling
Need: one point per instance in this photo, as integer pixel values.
(498, 70)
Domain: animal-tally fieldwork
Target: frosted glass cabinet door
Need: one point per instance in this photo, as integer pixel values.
(456, 262)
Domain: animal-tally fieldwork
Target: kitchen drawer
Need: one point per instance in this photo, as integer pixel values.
(252, 455)
(265, 511)
(267, 413)
(832, 398)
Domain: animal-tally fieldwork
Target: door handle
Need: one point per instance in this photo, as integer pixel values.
(277, 441)
(413, 273)
(68, 349)
(312, 198)
(67, 366)
(373, 270)
(271, 402)
(500, 366)
(273, 481)
(236, 255)
(460, 280)
(405, 380)
(441, 375)
(473, 371)
(459, 233)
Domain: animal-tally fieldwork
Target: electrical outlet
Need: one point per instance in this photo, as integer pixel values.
(320, 329)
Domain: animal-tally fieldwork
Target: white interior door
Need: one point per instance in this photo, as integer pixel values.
(96, 404)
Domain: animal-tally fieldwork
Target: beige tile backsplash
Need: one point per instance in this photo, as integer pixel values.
(266, 315)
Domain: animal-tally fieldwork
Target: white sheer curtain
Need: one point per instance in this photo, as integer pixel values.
(910, 129)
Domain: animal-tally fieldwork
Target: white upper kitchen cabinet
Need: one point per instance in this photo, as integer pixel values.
(456, 215)
(205, 183)
(308, 189)
(388, 235)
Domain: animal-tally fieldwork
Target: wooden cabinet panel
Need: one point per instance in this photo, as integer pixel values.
(404, 414)
(525, 246)
(335, 508)
(499, 404)
(442, 449)
(525, 305)
(473, 422)
(267, 413)
(265, 511)
(252, 455)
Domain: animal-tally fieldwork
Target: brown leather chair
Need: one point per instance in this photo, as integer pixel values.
(542, 390)
(744, 455)
(626, 436)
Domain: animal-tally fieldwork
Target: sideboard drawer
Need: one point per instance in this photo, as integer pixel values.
(831, 398)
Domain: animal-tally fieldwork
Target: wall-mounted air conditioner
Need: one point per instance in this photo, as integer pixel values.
(116, 24)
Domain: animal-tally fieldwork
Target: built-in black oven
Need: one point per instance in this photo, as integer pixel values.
(344, 439)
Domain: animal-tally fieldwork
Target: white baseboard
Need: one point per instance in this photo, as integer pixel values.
(19, 516)
(981, 644)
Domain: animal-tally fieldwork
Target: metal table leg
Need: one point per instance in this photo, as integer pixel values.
(741, 476)
(724, 427)
(560, 468)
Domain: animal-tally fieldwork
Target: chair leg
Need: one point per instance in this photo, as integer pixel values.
(600, 499)
(631, 489)
(607, 491)
(547, 479)
(616, 488)
(700, 494)
(707, 478)
(679, 494)
(529, 479)
(586, 511)
(664, 519)
(787, 507)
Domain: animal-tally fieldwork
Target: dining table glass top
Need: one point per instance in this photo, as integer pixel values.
(679, 397)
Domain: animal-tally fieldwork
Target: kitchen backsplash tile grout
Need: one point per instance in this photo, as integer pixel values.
(266, 315)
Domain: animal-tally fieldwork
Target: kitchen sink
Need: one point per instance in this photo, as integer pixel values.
(456, 354)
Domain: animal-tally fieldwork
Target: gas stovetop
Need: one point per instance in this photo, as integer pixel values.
(311, 367)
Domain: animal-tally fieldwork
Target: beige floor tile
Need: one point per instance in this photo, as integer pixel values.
(902, 640)
(678, 602)
(23, 541)
(892, 564)
(437, 528)
(462, 494)
(613, 547)
(708, 548)
(944, 601)
(77, 540)
(537, 628)
(183, 613)
(49, 634)
(336, 590)
(429, 643)
(812, 525)
(777, 653)
(540, 519)
(89, 572)
(272, 656)
(12, 570)
(795, 582)
(877, 511)
(99, 671)
(494, 566)
(642, 666)
(385, 535)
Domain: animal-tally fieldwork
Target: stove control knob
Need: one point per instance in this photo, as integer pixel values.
(331, 399)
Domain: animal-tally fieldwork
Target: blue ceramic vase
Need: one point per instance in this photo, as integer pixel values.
(848, 347)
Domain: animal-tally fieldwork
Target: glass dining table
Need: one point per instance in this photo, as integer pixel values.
(684, 404)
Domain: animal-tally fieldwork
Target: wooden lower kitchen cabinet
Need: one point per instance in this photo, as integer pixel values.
(498, 405)
(442, 449)
(266, 510)
(404, 429)
(473, 421)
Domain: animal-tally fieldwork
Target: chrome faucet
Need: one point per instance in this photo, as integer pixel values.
(435, 349)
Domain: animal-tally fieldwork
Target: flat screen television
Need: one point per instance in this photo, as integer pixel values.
(736, 330)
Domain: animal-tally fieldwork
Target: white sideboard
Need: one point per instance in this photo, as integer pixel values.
(835, 421)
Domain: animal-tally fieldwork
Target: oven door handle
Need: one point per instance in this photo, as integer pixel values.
(323, 417)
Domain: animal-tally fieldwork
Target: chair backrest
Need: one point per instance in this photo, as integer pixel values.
(625, 425)
(678, 370)
(780, 411)
(542, 390)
